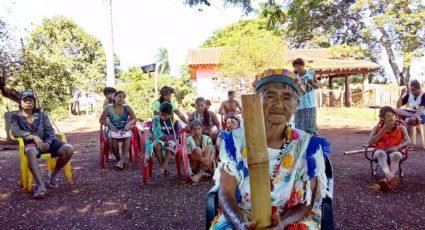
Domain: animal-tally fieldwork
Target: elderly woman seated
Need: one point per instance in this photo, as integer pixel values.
(200, 150)
(115, 117)
(296, 159)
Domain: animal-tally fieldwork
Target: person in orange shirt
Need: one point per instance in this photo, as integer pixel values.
(389, 139)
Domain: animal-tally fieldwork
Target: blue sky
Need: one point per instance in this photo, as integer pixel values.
(141, 27)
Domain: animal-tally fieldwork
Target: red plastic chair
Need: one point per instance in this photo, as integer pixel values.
(147, 167)
(370, 150)
(105, 147)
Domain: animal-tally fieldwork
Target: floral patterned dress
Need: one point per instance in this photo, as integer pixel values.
(294, 166)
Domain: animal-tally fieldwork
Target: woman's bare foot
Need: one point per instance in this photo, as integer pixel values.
(163, 170)
(197, 177)
(394, 181)
(384, 186)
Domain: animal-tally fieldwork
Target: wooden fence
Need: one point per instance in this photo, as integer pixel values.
(375, 95)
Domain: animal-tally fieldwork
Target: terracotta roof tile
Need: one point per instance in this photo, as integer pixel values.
(320, 59)
(316, 59)
(205, 56)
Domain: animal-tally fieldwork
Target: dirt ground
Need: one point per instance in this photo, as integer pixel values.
(109, 199)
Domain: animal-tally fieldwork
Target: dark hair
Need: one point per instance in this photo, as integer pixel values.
(415, 83)
(118, 92)
(194, 122)
(166, 108)
(231, 92)
(386, 109)
(298, 61)
(206, 113)
(231, 116)
(208, 102)
(108, 90)
(165, 91)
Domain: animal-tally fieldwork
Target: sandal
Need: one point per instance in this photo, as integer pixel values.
(39, 195)
(52, 185)
(384, 186)
(120, 165)
(394, 182)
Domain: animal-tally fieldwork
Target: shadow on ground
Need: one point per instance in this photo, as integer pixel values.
(110, 199)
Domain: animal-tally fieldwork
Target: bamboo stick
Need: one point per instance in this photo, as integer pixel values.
(258, 159)
(357, 151)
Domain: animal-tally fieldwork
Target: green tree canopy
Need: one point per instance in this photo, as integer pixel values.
(245, 4)
(231, 35)
(378, 27)
(140, 91)
(396, 28)
(250, 48)
(60, 56)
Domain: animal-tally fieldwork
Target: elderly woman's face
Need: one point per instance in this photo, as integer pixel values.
(279, 103)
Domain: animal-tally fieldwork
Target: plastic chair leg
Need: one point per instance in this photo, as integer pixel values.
(144, 177)
(68, 172)
(186, 167)
(150, 167)
(413, 137)
(24, 166)
(101, 155)
(29, 180)
(107, 151)
(422, 129)
(178, 163)
(136, 153)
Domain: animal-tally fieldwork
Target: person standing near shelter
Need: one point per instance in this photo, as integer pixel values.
(231, 106)
(306, 114)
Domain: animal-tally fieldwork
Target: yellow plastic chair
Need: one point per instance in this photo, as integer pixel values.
(26, 175)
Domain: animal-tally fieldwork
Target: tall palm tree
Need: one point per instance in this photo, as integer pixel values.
(163, 65)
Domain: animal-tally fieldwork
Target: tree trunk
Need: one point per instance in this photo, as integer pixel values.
(7, 92)
(406, 74)
(385, 42)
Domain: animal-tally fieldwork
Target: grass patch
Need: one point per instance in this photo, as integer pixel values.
(361, 114)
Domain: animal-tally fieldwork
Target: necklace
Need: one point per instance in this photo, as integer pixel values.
(276, 168)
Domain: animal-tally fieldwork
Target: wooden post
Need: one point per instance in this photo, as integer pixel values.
(365, 82)
(347, 91)
(331, 83)
(258, 160)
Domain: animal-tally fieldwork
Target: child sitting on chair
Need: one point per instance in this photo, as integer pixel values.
(165, 131)
(389, 137)
(200, 150)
